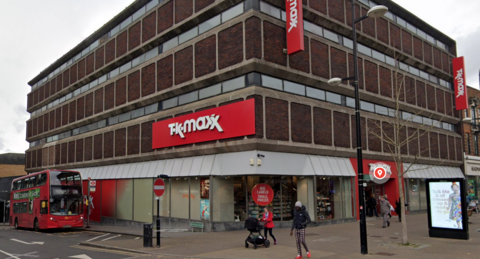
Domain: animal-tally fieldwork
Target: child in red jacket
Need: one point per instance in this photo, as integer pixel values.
(268, 219)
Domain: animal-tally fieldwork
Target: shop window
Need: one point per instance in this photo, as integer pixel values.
(328, 197)
(142, 200)
(180, 193)
(423, 194)
(413, 195)
(197, 196)
(239, 193)
(222, 198)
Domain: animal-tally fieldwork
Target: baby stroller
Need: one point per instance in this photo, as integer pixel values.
(253, 225)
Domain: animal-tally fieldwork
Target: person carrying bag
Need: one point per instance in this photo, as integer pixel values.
(300, 221)
(268, 225)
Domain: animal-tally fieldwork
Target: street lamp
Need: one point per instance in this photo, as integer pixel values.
(374, 12)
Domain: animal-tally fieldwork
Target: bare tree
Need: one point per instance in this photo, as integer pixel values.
(397, 132)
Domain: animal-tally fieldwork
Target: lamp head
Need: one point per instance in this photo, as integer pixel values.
(377, 11)
(467, 119)
(334, 81)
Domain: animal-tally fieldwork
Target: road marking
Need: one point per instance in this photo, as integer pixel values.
(12, 256)
(137, 238)
(109, 251)
(26, 243)
(31, 254)
(98, 237)
(111, 238)
(84, 256)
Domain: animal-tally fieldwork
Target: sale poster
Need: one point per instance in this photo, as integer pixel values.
(204, 209)
(446, 205)
(471, 188)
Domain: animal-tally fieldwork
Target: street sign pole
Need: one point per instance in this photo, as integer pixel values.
(158, 189)
(158, 221)
(88, 204)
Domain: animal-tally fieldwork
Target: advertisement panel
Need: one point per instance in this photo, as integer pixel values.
(204, 209)
(460, 83)
(233, 120)
(294, 11)
(447, 215)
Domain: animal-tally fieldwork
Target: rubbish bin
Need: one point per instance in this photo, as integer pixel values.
(147, 235)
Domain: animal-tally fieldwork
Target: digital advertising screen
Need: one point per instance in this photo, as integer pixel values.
(446, 204)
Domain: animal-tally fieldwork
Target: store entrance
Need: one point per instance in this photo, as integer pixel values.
(373, 190)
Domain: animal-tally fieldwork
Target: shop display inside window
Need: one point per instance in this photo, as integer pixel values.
(325, 198)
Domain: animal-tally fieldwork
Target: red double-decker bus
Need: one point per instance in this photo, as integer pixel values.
(46, 200)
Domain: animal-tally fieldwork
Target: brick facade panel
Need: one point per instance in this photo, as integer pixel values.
(407, 42)
(165, 73)
(183, 10)
(72, 112)
(424, 143)
(301, 123)
(437, 58)
(341, 125)
(320, 59)
(418, 48)
(134, 86)
(319, 5)
(230, 46)
(99, 57)
(149, 25)
(258, 116)
(40, 124)
(338, 62)
(148, 80)
(58, 118)
(121, 91)
(98, 146)
(206, 56)
(45, 122)
(73, 73)
(458, 149)
(71, 152)
(368, 25)
(146, 137)
(360, 70)
(336, 10)
(253, 38)
(41, 93)
(322, 128)
(35, 126)
(395, 37)
(122, 44)
(451, 148)
(134, 33)
(431, 98)
(108, 142)
(371, 77)
(64, 114)
(274, 41)
(59, 85)
(449, 103)
(88, 105)
(440, 100)
(80, 108)
(446, 65)
(99, 100)
(165, 17)
(51, 155)
(353, 132)
(110, 51)
(57, 154)
(421, 96)
(382, 30)
(410, 91)
(434, 145)
(427, 52)
(52, 120)
(386, 82)
(184, 65)
(90, 64)
(64, 154)
(388, 136)
(374, 133)
(79, 150)
(276, 113)
(120, 142)
(301, 60)
(201, 4)
(133, 143)
(109, 96)
(442, 139)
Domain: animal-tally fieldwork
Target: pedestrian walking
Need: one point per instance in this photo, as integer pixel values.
(268, 225)
(300, 221)
(384, 210)
(372, 206)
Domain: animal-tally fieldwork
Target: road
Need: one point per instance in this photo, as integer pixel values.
(24, 243)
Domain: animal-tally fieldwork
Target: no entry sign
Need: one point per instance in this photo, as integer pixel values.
(262, 194)
(159, 187)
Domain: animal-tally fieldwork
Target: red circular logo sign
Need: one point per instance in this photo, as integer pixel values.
(262, 194)
(159, 187)
(379, 173)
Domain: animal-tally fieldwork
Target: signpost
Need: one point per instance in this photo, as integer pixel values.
(159, 190)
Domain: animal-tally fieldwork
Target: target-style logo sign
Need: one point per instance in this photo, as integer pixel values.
(380, 172)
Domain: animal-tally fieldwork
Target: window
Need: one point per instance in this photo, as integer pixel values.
(236, 11)
(210, 91)
(151, 108)
(42, 179)
(294, 88)
(366, 106)
(468, 144)
(233, 84)
(270, 10)
(188, 98)
(188, 35)
(475, 144)
(209, 24)
(330, 36)
(271, 82)
(334, 98)
(170, 103)
(316, 93)
(364, 50)
(313, 28)
(170, 44)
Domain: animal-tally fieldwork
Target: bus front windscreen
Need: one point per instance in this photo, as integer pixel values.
(65, 193)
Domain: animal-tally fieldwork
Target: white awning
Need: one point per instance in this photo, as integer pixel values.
(431, 172)
(227, 164)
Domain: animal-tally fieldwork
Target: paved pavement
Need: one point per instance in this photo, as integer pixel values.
(331, 241)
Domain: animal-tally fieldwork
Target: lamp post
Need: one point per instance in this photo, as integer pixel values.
(374, 12)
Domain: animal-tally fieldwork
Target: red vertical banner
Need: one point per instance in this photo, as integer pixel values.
(294, 26)
(460, 83)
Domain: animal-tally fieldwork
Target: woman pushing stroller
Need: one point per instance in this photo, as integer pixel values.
(268, 225)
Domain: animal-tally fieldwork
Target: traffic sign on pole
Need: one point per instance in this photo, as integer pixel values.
(159, 187)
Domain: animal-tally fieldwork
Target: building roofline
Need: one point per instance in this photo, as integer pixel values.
(129, 10)
(419, 23)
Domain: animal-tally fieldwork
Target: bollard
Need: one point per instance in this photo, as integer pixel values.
(147, 235)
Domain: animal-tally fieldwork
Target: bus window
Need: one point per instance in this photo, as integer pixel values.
(22, 184)
(42, 179)
(24, 207)
(33, 181)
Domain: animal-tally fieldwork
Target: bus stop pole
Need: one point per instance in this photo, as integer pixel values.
(88, 206)
(158, 221)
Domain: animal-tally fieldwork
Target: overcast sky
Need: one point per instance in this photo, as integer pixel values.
(35, 33)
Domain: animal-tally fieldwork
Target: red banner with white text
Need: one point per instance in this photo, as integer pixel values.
(460, 83)
(233, 120)
(294, 11)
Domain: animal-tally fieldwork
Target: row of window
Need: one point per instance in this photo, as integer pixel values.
(475, 144)
(346, 42)
(30, 182)
(101, 40)
(201, 28)
(408, 26)
(20, 207)
(241, 82)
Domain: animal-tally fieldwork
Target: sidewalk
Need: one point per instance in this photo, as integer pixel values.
(135, 231)
(331, 241)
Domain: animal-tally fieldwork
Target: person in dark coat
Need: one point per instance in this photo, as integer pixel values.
(300, 221)
(398, 209)
(372, 206)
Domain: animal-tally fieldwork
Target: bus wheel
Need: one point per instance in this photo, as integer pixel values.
(16, 223)
(35, 226)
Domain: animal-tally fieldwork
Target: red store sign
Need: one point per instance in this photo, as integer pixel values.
(294, 26)
(461, 98)
(233, 120)
(262, 194)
